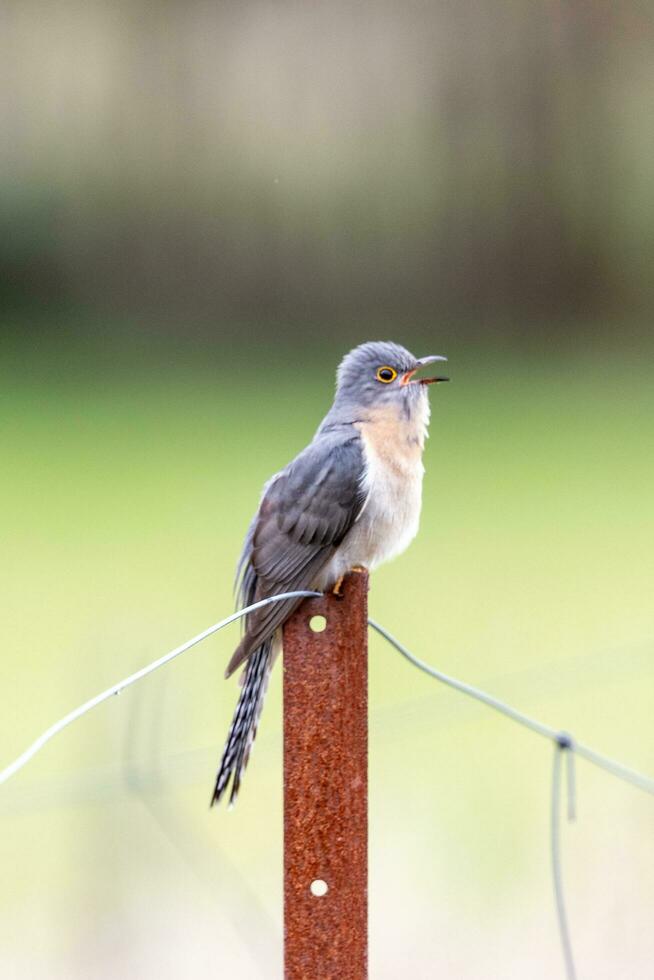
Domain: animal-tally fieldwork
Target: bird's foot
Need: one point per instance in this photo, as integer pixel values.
(338, 587)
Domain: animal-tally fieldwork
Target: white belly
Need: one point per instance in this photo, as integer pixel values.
(389, 520)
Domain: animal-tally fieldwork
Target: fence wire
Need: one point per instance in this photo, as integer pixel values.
(565, 745)
(555, 842)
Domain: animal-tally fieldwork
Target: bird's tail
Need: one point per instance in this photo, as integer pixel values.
(243, 729)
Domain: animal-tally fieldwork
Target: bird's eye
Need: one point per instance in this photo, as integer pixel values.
(386, 374)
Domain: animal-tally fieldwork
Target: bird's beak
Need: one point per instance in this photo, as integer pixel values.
(407, 378)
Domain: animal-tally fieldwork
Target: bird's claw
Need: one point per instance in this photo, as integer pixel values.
(338, 587)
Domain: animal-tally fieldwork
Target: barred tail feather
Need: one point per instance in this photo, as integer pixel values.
(243, 729)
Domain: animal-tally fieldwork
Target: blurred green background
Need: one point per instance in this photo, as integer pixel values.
(202, 209)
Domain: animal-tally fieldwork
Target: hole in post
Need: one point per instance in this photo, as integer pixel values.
(318, 624)
(319, 888)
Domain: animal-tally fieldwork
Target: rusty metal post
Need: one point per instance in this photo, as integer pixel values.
(326, 787)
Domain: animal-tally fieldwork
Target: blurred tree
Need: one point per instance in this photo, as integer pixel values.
(293, 163)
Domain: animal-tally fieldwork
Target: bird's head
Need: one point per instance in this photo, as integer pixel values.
(383, 373)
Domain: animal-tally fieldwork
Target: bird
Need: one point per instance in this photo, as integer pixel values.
(351, 499)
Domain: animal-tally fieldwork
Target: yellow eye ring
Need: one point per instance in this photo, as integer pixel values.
(386, 374)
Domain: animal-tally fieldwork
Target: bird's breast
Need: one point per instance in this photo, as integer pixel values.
(390, 518)
(392, 483)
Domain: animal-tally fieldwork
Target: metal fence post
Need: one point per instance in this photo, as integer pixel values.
(326, 787)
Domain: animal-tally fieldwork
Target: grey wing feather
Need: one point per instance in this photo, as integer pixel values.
(305, 513)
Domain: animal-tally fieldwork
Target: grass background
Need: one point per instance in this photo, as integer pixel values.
(129, 477)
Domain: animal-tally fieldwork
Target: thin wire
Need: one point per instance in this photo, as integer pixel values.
(572, 784)
(615, 768)
(468, 689)
(562, 739)
(555, 840)
(58, 726)
(563, 742)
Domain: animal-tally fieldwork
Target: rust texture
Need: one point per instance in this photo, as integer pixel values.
(326, 787)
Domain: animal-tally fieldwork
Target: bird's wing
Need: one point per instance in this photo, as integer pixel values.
(304, 514)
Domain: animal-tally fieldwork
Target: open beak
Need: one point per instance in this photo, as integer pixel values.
(408, 378)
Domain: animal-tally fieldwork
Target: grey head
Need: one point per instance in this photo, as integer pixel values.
(381, 373)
